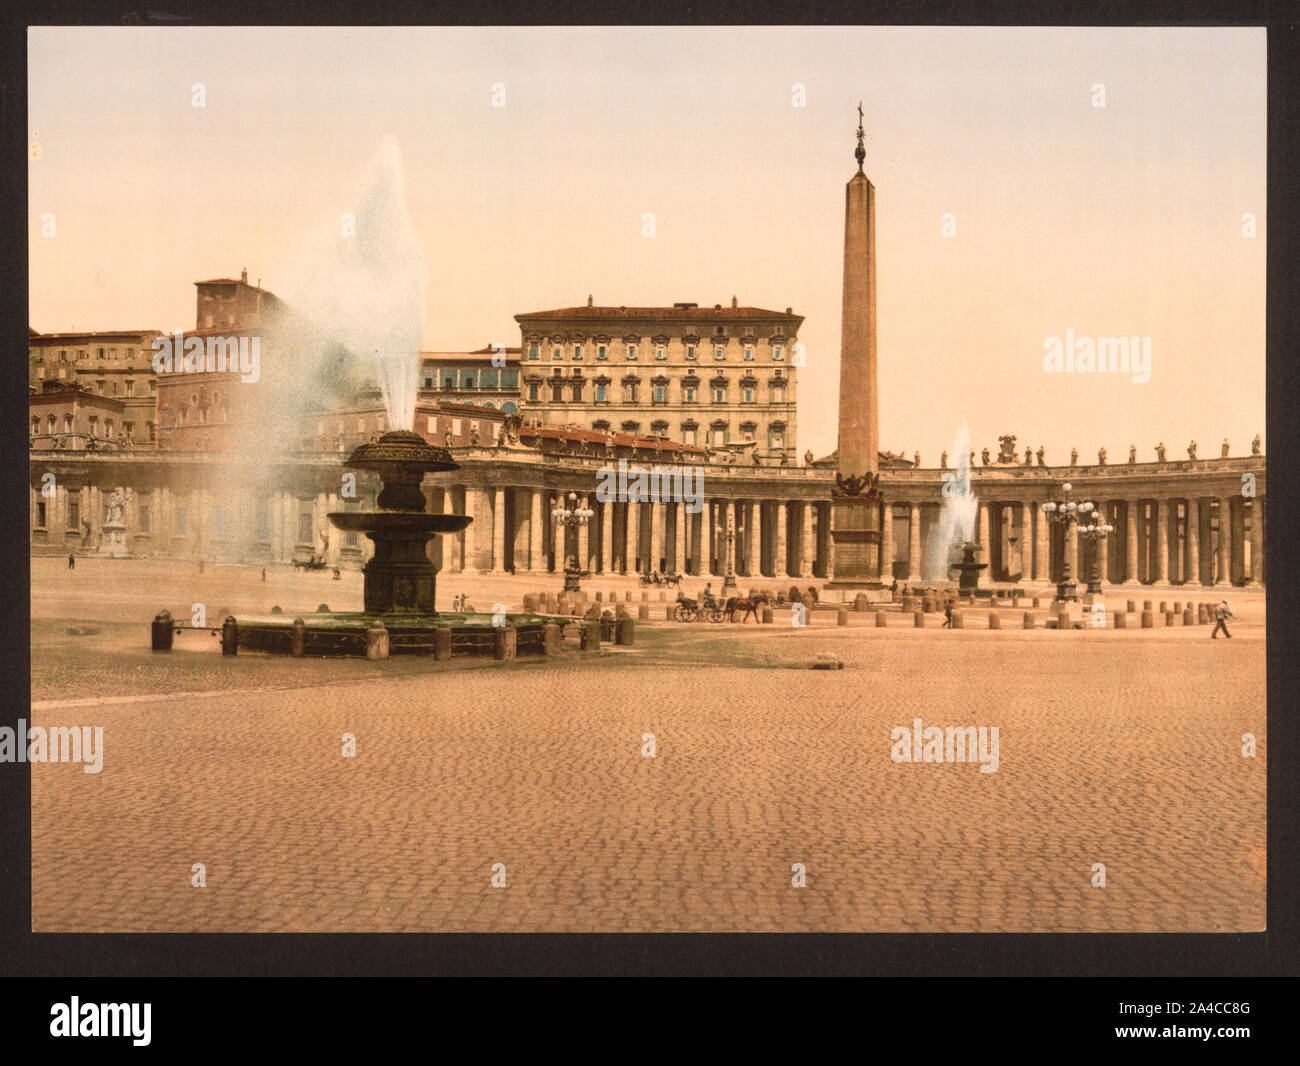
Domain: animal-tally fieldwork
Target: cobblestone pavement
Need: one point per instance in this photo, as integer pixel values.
(1116, 747)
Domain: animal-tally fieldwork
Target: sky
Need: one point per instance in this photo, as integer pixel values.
(1122, 220)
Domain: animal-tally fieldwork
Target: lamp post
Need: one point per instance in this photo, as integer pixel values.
(572, 517)
(1066, 513)
(1095, 533)
(729, 582)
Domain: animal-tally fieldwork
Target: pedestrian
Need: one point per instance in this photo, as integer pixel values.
(263, 573)
(200, 566)
(72, 561)
(1221, 615)
(947, 613)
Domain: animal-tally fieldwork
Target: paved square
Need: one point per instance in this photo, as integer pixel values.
(1116, 747)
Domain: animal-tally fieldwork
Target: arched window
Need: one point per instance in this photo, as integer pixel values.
(510, 407)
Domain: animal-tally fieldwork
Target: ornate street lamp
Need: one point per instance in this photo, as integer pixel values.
(729, 582)
(572, 517)
(1066, 513)
(1095, 533)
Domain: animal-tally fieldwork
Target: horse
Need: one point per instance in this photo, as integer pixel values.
(749, 606)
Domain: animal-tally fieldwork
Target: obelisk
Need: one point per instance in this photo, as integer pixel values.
(855, 507)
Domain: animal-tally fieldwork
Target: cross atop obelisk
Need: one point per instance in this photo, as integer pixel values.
(861, 153)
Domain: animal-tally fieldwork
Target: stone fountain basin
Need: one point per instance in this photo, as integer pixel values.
(399, 522)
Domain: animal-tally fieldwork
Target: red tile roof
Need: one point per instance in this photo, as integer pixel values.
(665, 313)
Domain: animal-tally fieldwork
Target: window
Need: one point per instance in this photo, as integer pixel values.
(81, 353)
(719, 353)
(659, 353)
(778, 438)
(130, 388)
(661, 394)
(688, 434)
(101, 352)
(718, 433)
(659, 429)
(577, 351)
(778, 353)
(688, 394)
(533, 353)
(153, 430)
(455, 427)
(557, 392)
(94, 425)
(555, 353)
(182, 521)
(36, 423)
(449, 381)
(108, 427)
(576, 387)
(602, 393)
(600, 426)
(74, 510)
(304, 528)
(747, 395)
(600, 351)
(428, 382)
(112, 353)
(129, 429)
(532, 391)
(631, 351)
(40, 514)
(747, 431)
(629, 391)
(719, 393)
(749, 353)
(510, 408)
(467, 380)
(510, 379)
(778, 392)
(690, 351)
(487, 378)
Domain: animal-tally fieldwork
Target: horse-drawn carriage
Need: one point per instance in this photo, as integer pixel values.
(659, 580)
(316, 562)
(690, 610)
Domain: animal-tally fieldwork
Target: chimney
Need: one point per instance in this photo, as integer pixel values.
(734, 303)
(243, 275)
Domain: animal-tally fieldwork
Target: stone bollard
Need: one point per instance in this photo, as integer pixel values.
(377, 640)
(1169, 618)
(1189, 619)
(1178, 607)
(1029, 620)
(442, 643)
(668, 612)
(860, 602)
(767, 616)
(881, 620)
(995, 620)
(550, 639)
(529, 601)
(277, 609)
(1121, 620)
(162, 631)
(1148, 620)
(561, 604)
(958, 619)
(1130, 607)
(322, 608)
(625, 632)
(298, 638)
(230, 636)
(809, 601)
(842, 616)
(918, 619)
(505, 642)
(1200, 614)
(1063, 619)
(589, 638)
(927, 605)
(909, 604)
(643, 612)
(607, 626)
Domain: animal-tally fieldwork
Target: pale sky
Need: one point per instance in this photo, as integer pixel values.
(1122, 220)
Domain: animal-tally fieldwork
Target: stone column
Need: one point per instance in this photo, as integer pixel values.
(1193, 574)
(1162, 541)
(985, 537)
(1043, 546)
(633, 534)
(1072, 550)
(887, 544)
(1026, 543)
(708, 537)
(607, 537)
(656, 534)
(498, 561)
(1102, 548)
(584, 536)
(782, 517)
(1256, 542)
(1224, 576)
(679, 543)
(805, 541)
(753, 540)
(914, 543)
(535, 529)
(1132, 515)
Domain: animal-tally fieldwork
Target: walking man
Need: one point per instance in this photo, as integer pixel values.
(1221, 616)
(72, 561)
(947, 613)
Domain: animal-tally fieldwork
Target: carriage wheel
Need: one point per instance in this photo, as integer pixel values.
(683, 614)
(717, 614)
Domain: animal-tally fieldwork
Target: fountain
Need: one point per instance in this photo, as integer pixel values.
(399, 580)
(968, 569)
